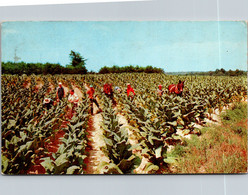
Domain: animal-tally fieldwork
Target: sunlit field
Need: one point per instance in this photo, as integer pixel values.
(203, 130)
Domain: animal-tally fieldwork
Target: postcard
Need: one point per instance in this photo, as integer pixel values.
(124, 97)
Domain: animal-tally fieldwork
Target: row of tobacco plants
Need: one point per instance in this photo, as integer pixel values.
(156, 120)
(27, 129)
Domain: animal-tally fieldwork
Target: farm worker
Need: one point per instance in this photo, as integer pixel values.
(118, 89)
(160, 91)
(129, 89)
(177, 88)
(60, 92)
(91, 92)
(73, 99)
(107, 89)
(47, 103)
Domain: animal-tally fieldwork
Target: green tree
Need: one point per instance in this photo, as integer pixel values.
(77, 62)
(77, 59)
(223, 70)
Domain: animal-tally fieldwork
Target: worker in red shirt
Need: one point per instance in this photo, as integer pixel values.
(129, 89)
(160, 91)
(91, 92)
(108, 90)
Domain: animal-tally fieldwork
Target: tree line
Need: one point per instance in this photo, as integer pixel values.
(51, 68)
(77, 66)
(117, 69)
(221, 72)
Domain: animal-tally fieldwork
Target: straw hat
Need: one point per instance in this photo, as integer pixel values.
(47, 100)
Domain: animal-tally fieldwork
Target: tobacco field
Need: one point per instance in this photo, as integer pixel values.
(135, 136)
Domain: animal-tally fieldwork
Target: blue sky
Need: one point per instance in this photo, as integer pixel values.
(173, 46)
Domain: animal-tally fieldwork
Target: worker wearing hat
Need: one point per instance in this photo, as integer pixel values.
(91, 92)
(60, 92)
(47, 103)
(160, 91)
(73, 99)
(118, 89)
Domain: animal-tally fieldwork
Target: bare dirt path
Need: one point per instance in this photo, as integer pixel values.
(95, 142)
(93, 133)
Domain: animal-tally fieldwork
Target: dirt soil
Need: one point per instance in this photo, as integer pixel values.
(95, 142)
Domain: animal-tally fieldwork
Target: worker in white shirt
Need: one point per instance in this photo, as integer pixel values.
(73, 99)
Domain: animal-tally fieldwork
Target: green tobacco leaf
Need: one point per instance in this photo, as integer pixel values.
(61, 149)
(135, 146)
(78, 125)
(125, 165)
(176, 114)
(113, 169)
(11, 124)
(50, 122)
(136, 161)
(151, 168)
(23, 135)
(81, 159)
(143, 134)
(150, 140)
(176, 137)
(158, 151)
(186, 132)
(61, 160)
(22, 148)
(47, 164)
(6, 143)
(29, 144)
(14, 140)
(170, 160)
(145, 150)
(5, 162)
(72, 169)
(108, 141)
(121, 147)
(109, 168)
(174, 123)
(54, 155)
(180, 121)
